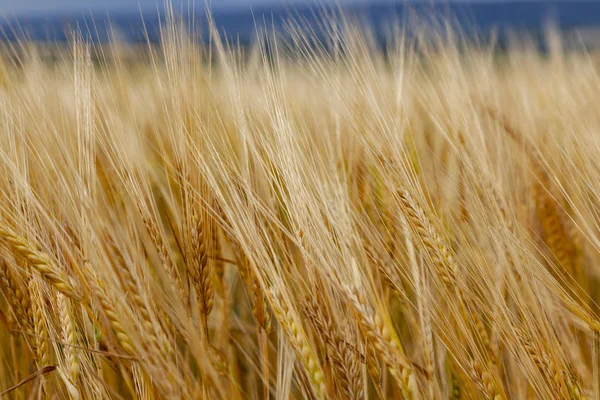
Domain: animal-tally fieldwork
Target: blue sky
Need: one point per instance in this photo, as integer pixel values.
(24, 6)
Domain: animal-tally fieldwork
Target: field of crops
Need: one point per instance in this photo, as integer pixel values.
(296, 221)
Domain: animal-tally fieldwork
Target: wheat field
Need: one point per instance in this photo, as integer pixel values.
(293, 221)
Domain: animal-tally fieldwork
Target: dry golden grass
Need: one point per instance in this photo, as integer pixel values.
(294, 222)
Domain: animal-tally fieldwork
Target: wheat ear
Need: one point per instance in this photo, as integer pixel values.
(69, 335)
(382, 337)
(297, 337)
(343, 358)
(199, 267)
(40, 262)
(42, 355)
(18, 297)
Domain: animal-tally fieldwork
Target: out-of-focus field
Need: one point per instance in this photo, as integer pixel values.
(297, 221)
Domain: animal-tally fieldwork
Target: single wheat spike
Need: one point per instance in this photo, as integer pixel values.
(257, 298)
(69, 334)
(437, 250)
(39, 322)
(486, 382)
(443, 261)
(40, 262)
(111, 312)
(42, 354)
(547, 366)
(163, 252)
(157, 332)
(259, 308)
(425, 329)
(159, 343)
(18, 297)
(299, 341)
(199, 267)
(388, 346)
(8, 319)
(343, 358)
(374, 369)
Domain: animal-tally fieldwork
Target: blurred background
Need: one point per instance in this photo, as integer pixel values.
(136, 21)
